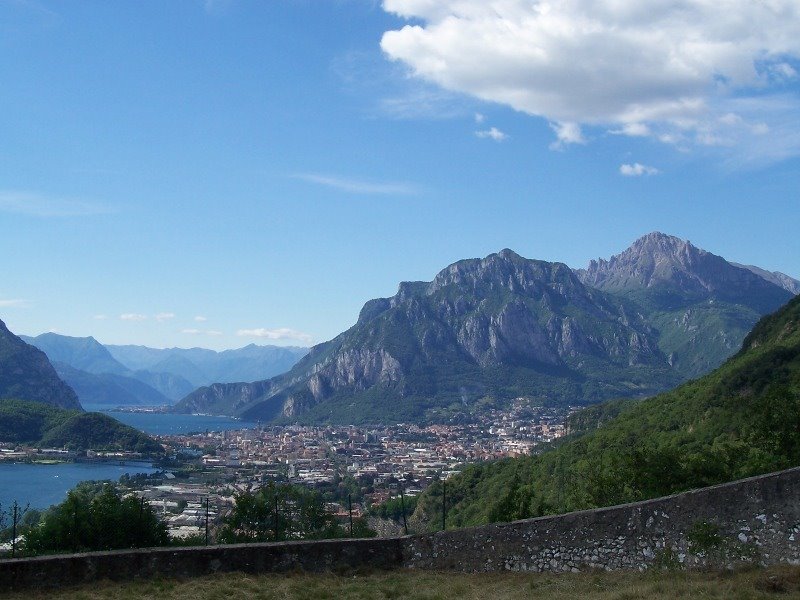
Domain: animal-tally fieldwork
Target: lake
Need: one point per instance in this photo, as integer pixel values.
(171, 424)
(44, 485)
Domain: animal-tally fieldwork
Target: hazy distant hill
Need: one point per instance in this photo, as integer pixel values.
(485, 331)
(86, 354)
(26, 374)
(742, 419)
(110, 389)
(201, 366)
(98, 378)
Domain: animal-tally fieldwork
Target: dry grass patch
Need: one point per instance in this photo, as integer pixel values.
(778, 582)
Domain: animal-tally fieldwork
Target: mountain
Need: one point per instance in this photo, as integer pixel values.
(172, 386)
(202, 367)
(39, 425)
(701, 305)
(743, 419)
(98, 378)
(790, 284)
(26, 374)
(485, 331)
(86, 354)
(109, 389)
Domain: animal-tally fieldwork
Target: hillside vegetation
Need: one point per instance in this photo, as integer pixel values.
(741, 420)
(41, 425)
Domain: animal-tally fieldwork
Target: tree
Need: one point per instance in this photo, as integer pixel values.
(281, 512)
(96, 517)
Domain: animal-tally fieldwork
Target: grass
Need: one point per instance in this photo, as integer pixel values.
(776, 582)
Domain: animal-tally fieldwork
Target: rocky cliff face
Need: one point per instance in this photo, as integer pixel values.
(493, 329)
(501, 327)
(26, 374)
(701, 305)
(667, 272)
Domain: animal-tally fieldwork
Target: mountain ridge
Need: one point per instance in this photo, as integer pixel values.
(486, 329)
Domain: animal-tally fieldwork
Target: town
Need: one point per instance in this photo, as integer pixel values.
(359, 467)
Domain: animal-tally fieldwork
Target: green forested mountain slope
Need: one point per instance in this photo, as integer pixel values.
(740, 420)
(37, 424)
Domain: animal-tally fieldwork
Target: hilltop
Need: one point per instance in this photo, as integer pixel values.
(39, 425)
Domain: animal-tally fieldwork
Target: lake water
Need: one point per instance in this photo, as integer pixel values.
(167, 423)
(44, 485)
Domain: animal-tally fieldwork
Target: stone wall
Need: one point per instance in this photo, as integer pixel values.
(337, 556)
(752, 521)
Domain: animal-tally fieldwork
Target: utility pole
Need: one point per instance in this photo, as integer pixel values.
(14, 530)
(141, 525)
(403, 508)
(350, 509)
(444, 505)
(16, 518)
(276, 516)
(206, 520)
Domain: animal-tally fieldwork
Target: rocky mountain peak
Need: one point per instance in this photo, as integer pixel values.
(504, 270)
(673, 271)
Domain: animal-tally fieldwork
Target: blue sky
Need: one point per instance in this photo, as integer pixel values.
(215, 173)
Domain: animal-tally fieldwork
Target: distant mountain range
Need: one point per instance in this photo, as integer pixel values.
(485, 331)
(200, 366)
(137, 375)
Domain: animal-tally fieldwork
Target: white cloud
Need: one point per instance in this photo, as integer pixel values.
(38, 205)
(358, 186)
(664, 66)
(566, 133)
(13, 303)
(633, 130)
(164, 316)
(200, 319)
(479, 118)
(637, 170)
(100, 317)
(132, 317)
(282, 333)
(211, 332)
(493, 133)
